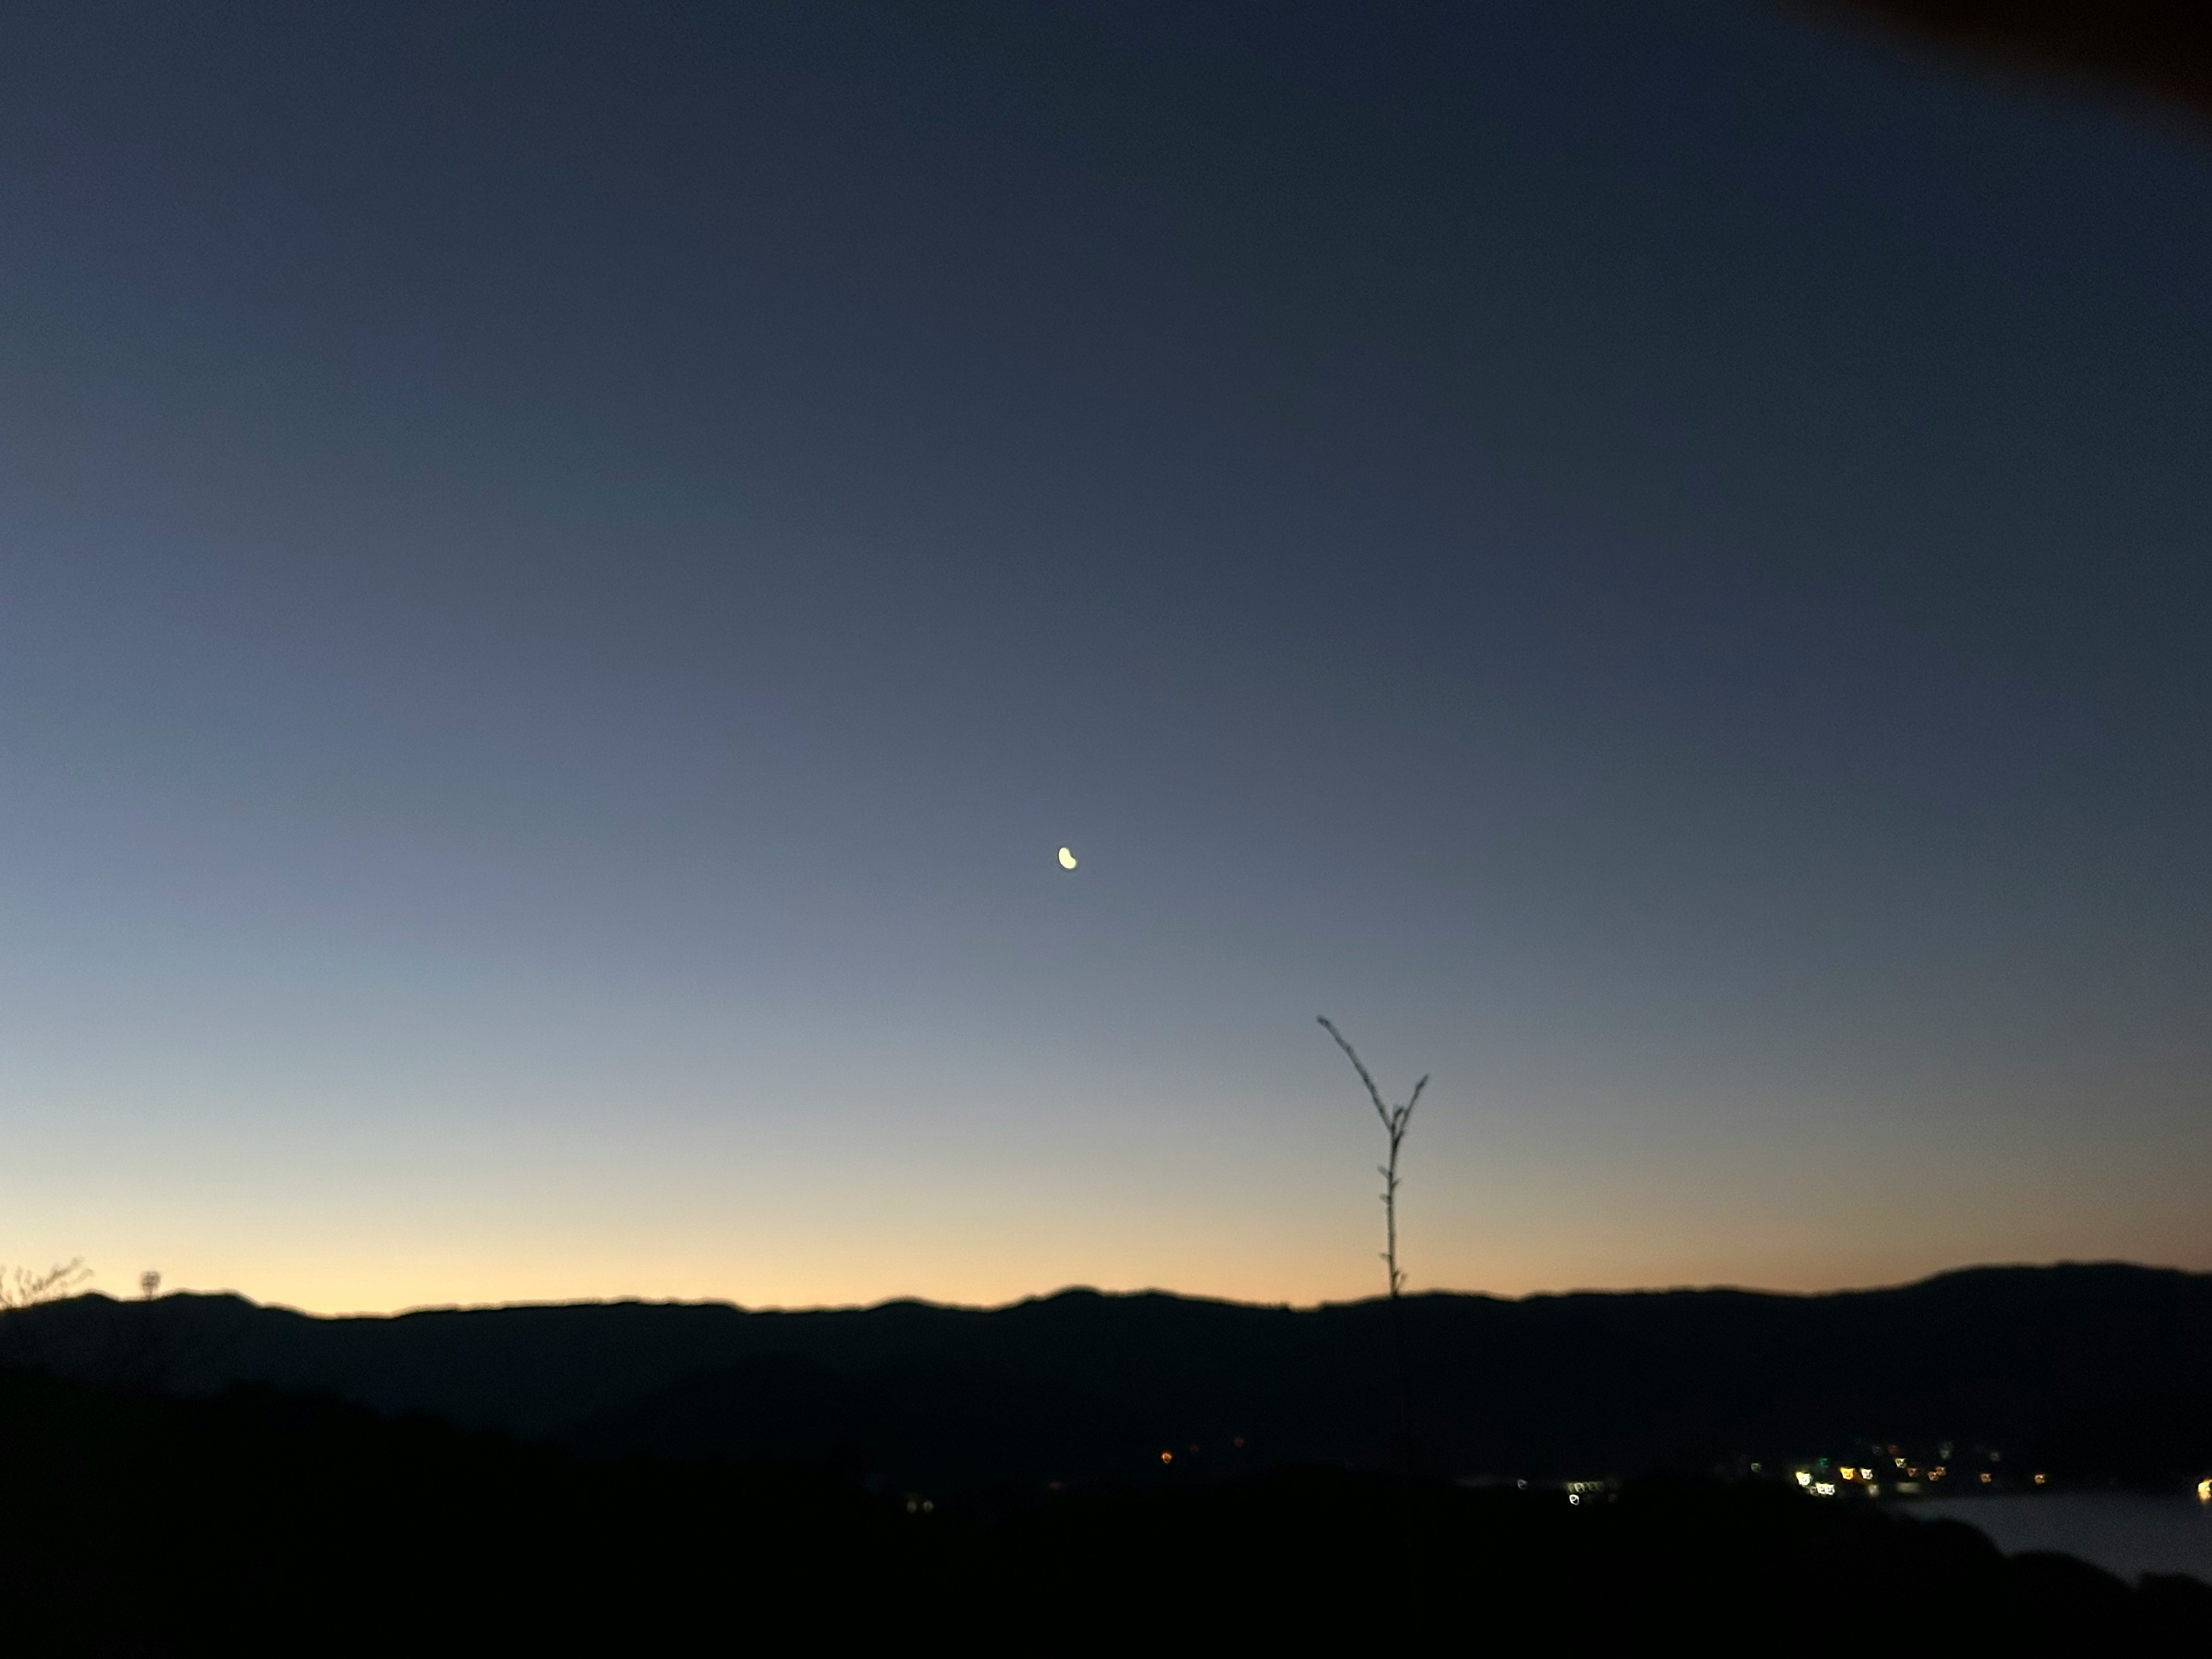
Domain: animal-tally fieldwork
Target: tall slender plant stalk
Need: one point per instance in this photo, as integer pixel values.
(1394, 1120)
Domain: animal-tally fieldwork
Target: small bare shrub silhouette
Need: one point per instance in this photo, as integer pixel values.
(21, 1288)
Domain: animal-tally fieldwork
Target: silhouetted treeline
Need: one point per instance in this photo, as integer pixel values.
(257, 1522)
(2091, 1372)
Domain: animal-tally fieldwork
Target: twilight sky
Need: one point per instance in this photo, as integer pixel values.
(564, 571)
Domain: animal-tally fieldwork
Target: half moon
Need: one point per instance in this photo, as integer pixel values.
(1066, 858)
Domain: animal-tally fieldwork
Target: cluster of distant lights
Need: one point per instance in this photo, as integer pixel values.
(1865, 1476)
(1168, 1457)
(1906, 1475)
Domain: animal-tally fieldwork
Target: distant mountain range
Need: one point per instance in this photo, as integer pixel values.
(2091, 1373)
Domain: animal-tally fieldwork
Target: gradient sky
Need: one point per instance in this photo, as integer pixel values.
(565, 569)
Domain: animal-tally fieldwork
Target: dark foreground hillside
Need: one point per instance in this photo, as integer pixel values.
(2091, 1373)
(261, 1523)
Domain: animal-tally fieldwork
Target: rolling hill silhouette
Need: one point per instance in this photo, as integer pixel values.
(2100, 1372)
(201, 1475)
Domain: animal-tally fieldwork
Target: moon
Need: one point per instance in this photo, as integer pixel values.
(1066, 858)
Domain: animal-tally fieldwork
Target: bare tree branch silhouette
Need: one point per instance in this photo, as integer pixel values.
(1394, 1120)
(21, 1288)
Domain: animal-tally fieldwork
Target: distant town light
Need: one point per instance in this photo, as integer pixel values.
(2040, 1478)
(1804, 1477)
(1985, 1477)
(1167, 1457)
(1824, 1489)
(2203, 1490)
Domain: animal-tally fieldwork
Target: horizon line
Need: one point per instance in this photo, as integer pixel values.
(1440, 1292)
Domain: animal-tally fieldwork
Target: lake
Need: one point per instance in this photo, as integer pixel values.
(2125, 1532)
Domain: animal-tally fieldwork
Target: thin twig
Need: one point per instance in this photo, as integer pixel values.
(21, 1288)
(1395, 1121)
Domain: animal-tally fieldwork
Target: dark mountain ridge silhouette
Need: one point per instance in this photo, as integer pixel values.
(2094, 1371)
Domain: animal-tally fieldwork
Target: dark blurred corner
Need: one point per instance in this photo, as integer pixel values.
(2162, 48)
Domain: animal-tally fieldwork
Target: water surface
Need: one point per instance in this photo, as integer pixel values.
(2125, 1533)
